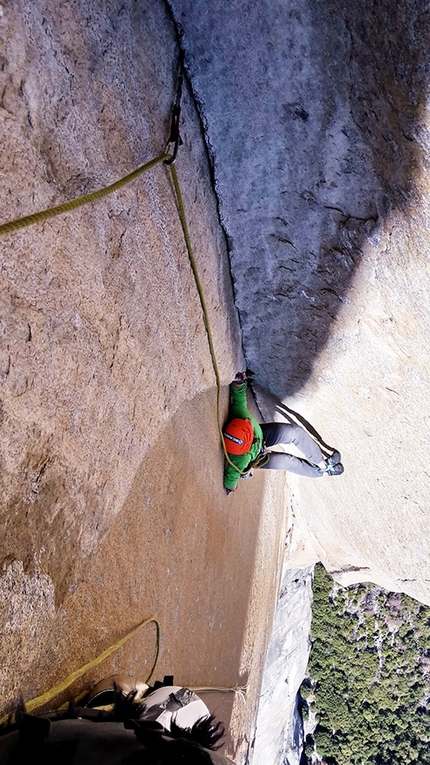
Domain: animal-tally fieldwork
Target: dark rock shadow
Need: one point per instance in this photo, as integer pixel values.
(313, 116)
(376, 57)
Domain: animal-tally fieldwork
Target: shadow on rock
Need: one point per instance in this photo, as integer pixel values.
(314, 115)
(375, 63)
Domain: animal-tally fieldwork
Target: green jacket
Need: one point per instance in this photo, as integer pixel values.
(238, 408)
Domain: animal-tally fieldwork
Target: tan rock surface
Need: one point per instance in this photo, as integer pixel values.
(112, 507)
(205, 566)
(102, 334)
(373, 378)
(319, 144)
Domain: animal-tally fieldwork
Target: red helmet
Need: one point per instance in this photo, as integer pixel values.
(238, 436)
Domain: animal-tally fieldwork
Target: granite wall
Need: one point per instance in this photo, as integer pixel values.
(316, 118)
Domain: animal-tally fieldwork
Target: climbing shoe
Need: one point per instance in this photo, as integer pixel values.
(334, 459)
(335, 469)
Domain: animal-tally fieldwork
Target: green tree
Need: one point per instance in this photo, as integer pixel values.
(371, 681)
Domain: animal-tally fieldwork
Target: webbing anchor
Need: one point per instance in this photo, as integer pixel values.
(174, 136)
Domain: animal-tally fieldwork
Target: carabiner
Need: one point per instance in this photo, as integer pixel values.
(174, 136)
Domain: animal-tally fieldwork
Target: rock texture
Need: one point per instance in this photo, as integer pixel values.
(316, 119)
(101, 330)
(317, 122)
(207, 568)
(279, 729)
(112, 505)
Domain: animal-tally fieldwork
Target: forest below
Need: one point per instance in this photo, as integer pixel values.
(366, 700)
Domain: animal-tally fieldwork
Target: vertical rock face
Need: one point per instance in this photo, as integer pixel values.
(313, 115)
(101, 333)
(316, 118)
(279, 732)
(317, 122)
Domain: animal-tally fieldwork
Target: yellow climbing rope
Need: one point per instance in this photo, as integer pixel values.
(48, 696)
(181, 211)
(51, 212)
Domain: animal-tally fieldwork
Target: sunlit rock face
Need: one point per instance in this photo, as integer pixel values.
(279, 730)
(101, 335)
(317, 122)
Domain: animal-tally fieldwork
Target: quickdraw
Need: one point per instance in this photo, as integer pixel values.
(175, 137)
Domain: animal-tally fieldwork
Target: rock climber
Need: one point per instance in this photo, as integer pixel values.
(248, 444)
(177, 710)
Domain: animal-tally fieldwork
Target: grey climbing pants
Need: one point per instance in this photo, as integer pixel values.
(281, 433)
